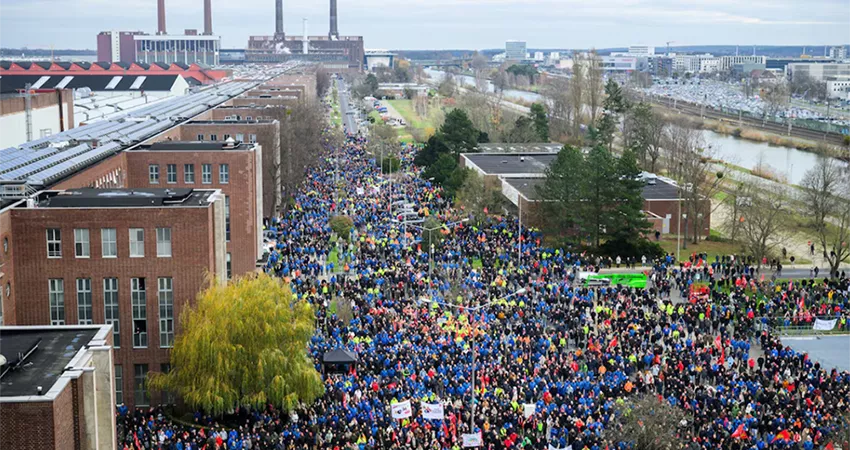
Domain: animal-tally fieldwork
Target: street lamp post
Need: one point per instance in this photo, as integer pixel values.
(431, 244)
(476, 309)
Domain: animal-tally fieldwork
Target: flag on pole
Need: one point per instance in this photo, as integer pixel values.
(782, 435)
(740, 433)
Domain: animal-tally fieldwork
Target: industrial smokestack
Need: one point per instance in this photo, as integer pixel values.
(278, 16)
(208, 17)
(160, 15)
(306, 41)
(334, 32)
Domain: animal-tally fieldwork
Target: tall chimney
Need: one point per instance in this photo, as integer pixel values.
(334, 33)
(305, 42)
(160, 15)
(278, 16)
(208, 17)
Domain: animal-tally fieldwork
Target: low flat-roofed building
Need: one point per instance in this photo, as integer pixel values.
(521, 174)
(132, 258)
(57, 388)
(538, 147)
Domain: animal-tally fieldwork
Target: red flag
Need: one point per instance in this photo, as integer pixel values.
(740, 433)
(829, 446)
(613, 343)
(802, 303)
(783, 435)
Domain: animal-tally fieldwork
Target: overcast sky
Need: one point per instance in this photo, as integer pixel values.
(447, 24)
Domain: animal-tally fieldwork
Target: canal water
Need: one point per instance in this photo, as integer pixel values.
(468, 81)
(785, 162)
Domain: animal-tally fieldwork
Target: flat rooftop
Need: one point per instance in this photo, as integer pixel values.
(544, 147)
(661, 190)
(56, 348)
(193, 146)
(512, 164)
(123, 198)
(230, 122)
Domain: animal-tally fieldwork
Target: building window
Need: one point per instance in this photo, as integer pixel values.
(54, 243)
(206, 173)
(137, 242)
(108, 243)
(252, 138)
(140, 393)
(226, 137)
(119, 385)
(165, 293)
(213, 137)
(153, 173)
(57, 301)
(168, 397)
(229, 267)
(81, 243)
(227, 218)
(171, 173)
(139, 299)
(249, 118)
(224, 173)
(84, 312)
(240, 137)
(110, 309)
(163, 242)
(200, 137)
(188, 173)
(5, 245)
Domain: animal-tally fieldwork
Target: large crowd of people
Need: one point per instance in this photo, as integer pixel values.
(498, 328)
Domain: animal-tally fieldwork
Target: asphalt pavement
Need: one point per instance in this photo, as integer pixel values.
(348, 120)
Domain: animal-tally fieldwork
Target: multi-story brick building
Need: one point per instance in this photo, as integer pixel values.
(235, 168)
(57, 388)
(131, 258)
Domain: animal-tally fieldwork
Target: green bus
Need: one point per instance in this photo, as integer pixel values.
(634, 280)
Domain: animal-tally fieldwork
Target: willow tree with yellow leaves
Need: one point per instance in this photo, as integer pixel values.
(243, 344)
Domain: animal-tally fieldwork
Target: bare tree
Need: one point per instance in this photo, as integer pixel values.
(323, 82)
(479, 196)
(594, 84)
(448, 86)
(735, 201)
(689, 161)
(826, 189)
(776, 98)
(646, 423)
(481, 70)
(577, 91)
(556, 91)
(763, 220)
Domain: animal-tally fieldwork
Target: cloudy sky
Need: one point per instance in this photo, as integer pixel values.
(447, 24)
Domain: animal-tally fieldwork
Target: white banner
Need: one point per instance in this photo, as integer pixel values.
(824, 325)
(402, 410)
(432, 411)
(472, 440)
(552, 447)
(528, 409)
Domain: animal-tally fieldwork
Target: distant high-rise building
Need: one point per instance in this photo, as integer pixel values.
(538, 56)
(117, 46)
(515, 50)
(838, 52)
(554, 56)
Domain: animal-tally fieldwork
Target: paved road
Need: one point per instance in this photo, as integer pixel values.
(349, 121)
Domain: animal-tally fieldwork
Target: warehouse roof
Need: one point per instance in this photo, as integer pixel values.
(503, 164)
(153, 82)
(124, 198)
(661, 190)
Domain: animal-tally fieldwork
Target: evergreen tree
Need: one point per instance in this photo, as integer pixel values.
(561, 192)
(541, 121)
(458, 133)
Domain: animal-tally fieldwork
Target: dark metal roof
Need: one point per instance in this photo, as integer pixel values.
(43, 64)
(24, 64)
(122, 65)
(6, 64)
(193, 146)
(56, 349)
(162, 65)
(124, 198)
(661, 190)
(513, 163)
(83, 64)
(182, 66)
(94, 81)
(103, 64)
(64, 64)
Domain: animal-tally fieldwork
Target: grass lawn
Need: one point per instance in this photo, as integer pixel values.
(476, 263)
(405, 108)
(712, 248)
(333, 257)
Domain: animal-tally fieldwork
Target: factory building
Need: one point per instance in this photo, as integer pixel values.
(24, 117)
(336, 53)
(515, 50)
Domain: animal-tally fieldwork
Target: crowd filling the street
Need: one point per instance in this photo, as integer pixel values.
(492, 339)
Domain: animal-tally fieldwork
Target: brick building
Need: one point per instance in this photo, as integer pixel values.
(235, 168)
(57, 388)
(130, 258)
(520, 174)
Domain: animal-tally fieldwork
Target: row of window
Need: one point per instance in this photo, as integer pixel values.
(109, 243)
(252, 138)
(140, 392)
(189, 173)
(138, 303)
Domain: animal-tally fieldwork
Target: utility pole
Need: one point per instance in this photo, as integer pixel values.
(28, 110)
